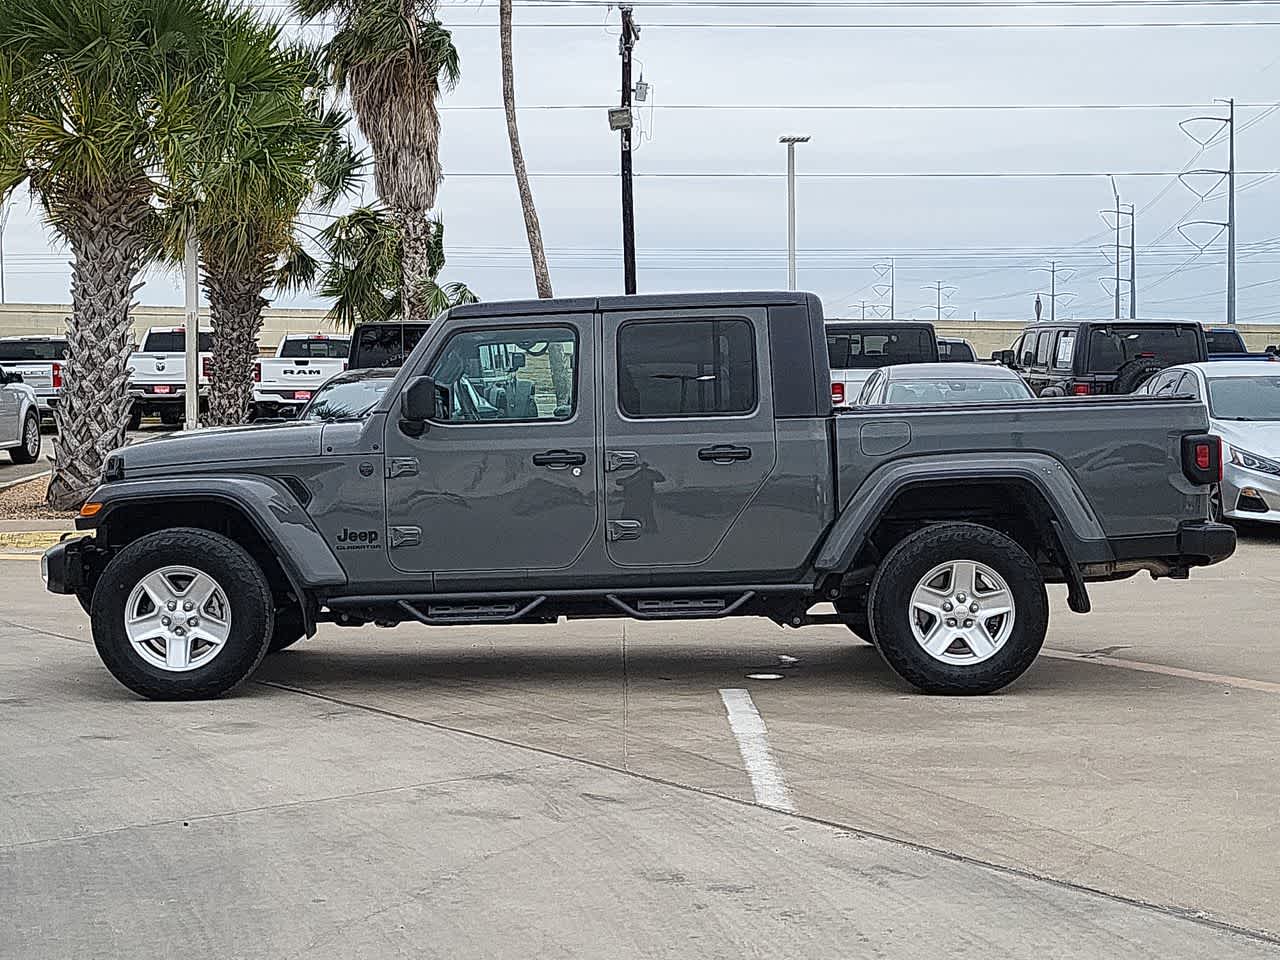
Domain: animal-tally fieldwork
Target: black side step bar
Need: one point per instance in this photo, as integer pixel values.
(441, 614)
(679, 608)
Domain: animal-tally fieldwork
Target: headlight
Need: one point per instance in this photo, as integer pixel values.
(1251, 461)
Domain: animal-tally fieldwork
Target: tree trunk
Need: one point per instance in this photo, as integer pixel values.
(105, 231)
(235, 308)
(416, 273)
(561, 375)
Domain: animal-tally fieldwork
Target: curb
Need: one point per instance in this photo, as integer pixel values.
(29, 539)
(21, 480)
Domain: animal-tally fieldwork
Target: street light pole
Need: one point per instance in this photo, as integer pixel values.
(791, 206)
(190, 269)
(1231, 214)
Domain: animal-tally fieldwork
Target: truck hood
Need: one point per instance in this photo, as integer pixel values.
(277, 441)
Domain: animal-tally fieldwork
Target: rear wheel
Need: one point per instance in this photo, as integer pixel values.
(28, 450)
(182, 614)
(171, 416)
(959, 608)
(135, 416)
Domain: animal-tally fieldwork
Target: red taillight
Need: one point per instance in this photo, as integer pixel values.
(837, 394)
(1203, 456)
(204, 367)
(257, 373)
(1081, 389)
(57, 376)
(344, 364)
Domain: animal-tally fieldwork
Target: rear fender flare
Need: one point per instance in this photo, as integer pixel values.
(1077, 524)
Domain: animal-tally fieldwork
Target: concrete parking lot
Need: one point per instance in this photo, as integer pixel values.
(578, 791)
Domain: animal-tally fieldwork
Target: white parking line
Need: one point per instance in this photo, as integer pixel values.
(1243, 683)
(767, 782)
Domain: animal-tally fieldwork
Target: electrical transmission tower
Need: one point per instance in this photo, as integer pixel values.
(1115, 285)
(1217, 178)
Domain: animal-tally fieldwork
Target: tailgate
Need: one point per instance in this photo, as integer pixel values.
(39, 376)
(298, 374)
(1123, 453)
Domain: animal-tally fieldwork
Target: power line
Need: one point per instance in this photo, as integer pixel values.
(848, 175)
(873, 107)
(868, 25)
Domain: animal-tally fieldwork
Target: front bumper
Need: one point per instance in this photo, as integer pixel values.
(66, 566)
(1250, 494)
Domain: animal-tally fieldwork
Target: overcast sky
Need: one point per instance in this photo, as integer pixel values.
(982, 236)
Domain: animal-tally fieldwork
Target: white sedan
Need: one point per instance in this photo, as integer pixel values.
(918, 384)
(1243, 402)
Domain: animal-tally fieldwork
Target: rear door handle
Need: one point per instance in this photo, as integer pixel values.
(559, 459)
(724, 453)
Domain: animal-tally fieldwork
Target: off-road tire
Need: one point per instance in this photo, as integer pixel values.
(247, 592)
(135, 417)
(915, 556)
(172, 418)
(287, 631)
(20, 453)
(1134, 374)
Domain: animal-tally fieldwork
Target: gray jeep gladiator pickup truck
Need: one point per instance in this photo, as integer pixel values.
(655, 457)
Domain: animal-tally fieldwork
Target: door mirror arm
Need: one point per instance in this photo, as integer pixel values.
(422, 401)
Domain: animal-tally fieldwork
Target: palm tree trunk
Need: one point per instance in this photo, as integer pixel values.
(235, 308)
(561, 375)
(105, 231)
(416, 259)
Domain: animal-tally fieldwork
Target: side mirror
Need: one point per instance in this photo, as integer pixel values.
(420, 401)
(517, 362)
(1006, 357)
(1051, 392)
(1273, 350)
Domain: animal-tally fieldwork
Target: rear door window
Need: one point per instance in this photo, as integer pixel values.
(869, 347)
(1026, 350)
(1042, 348)
(692, 368)
(1114, 345)
(1065, 351)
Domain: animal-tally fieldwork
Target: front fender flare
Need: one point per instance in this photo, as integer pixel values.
(274, 512)
(1076, 519)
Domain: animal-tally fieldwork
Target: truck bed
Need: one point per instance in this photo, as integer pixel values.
(1117, 457)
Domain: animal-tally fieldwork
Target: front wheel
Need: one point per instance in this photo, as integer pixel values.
(28, 449)
(959, 608)
(182, 614)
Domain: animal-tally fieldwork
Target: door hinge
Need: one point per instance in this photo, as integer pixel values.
(402, 467)
(624, 530)
(406, 536)
(617, 459)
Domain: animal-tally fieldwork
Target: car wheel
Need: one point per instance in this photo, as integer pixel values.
(182, 614)
(860, 623)
(959, 608)
(135, 416)
(288, 630)
(28, 451)
(170, 417)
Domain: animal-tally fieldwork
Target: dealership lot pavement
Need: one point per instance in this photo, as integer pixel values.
(578, 790)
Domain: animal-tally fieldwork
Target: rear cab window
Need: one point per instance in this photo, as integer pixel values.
(1065, 351)
(17, 351)
(316, 348)
(857, 346)
(384, 345)
(1116, 344)
(1224, 341)
(174, 341)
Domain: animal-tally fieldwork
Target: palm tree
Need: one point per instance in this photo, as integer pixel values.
(561, 376)
(246, 146)
(79, 80)
(394, 58)
(361, 270)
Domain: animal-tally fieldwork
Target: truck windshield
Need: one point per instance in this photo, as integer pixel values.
(17, 350)
(345, 399)
(870, 347)
(174, 341)
(1112, 346)
(1224, 341)
(317, 348)
(1245, 398)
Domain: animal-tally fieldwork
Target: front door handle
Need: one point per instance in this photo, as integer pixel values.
(724, 453)
(559, 459)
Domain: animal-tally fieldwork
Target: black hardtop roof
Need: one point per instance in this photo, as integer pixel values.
(832, 321)
(1111, 322)
(648, 301)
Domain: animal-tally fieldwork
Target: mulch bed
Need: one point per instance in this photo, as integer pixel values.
(26, 502)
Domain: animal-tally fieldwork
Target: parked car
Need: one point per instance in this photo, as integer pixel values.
(40, 361)
(856, 347)
(1098, 357)
(942, 383)
(19, 418)
(302, 361)
(956, 350)
(1226, 343)
(383, 344)
(1242, 400)
(158, 375)
(691, 468)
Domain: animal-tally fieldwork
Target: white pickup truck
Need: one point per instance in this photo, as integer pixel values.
(283, 383)
(40, 361)
(158, 374)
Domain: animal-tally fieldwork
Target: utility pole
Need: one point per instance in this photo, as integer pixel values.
(630, 34)
(893, 288)
(4, 222)
(1116, 191)
(864, 309)
(791, 206)
(1231, 213)
(1133, 262)
(191, 274)
(1053, 290)
(939, 289)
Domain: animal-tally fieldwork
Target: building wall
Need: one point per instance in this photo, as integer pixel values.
(47, 318)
